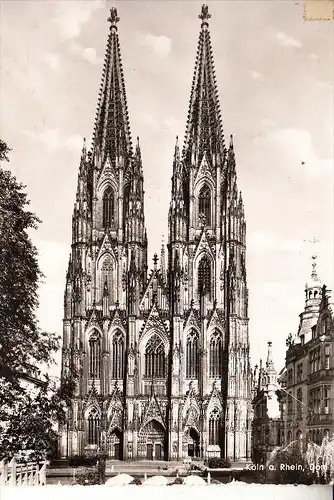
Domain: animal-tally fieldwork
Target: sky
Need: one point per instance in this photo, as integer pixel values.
(275, 80)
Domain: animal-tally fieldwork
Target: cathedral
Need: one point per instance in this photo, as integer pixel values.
(160, 357)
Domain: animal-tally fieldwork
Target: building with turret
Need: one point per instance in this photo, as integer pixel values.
(308, 377)
(160, 357)
(267, 425)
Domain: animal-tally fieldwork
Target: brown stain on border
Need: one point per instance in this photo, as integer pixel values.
(318, 10)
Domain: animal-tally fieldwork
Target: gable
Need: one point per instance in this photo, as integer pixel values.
(105, 248)
(204, 171)
(155, 288)
(203, 246)
(153, 412)
(154, 321)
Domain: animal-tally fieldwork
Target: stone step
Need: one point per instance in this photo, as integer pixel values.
(149, 464)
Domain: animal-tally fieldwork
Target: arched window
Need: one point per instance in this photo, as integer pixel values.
(204, 204)
(106, 277)
(126, 194)
(216, 355)
(118, 356)
(192, 358)
(214, 420)
(93, 427)
(155, 358)
(94, 356)
(108, 207)
(204, 277)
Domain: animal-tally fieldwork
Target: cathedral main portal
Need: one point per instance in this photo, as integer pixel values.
(151, 441)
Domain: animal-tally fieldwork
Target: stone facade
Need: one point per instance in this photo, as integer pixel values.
(268, 426)
(161, 360)
(308, 377)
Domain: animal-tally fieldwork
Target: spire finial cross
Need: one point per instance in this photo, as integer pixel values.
(113, 19)
(314, 265)
(204, 15)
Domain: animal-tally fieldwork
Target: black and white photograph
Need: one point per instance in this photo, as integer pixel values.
(166, 248)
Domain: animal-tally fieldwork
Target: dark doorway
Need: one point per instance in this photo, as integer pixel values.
(149, 450)
(157, 452)
(193, 446)
(115, 445)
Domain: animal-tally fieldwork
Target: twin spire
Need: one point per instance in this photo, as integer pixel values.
(112, 137)
(204, 130)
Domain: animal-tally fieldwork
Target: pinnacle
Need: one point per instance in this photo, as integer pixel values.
(231, 141)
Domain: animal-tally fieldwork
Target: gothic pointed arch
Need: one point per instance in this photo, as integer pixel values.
(214, 426)
(126, 195)
(94, 355)
(93, 429)
(115, 438)
(215, 354)
(204, 277)
(118, 351)
(152, 440)
(204, 204)
(155, 357)
(108, 207)
(192, 355)
(106, 272)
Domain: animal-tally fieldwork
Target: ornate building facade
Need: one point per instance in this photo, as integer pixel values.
(267, 426)
(160, 359)
(308, 377)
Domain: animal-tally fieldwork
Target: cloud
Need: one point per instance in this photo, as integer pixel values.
(266, 242)
(257, 76)
(70, 17)
(287, 41)
(268, 122)
(161, 44)
(324, 85)
(52, 60)
(149, 120)
(88, 54)
(173, 125)
(292, 146)
(52, 139)
(53, 260)
(74, 142)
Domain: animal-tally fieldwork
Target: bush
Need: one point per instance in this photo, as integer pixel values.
(284, 473)
(219, 463)
(215, 481)
(88, 477)
(78, 461)
(178, 480)
(136, 481)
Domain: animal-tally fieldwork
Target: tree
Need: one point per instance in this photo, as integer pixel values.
(22, 343)
(27, 416)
